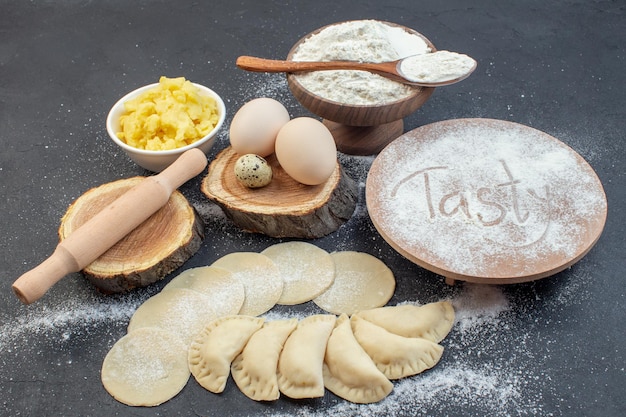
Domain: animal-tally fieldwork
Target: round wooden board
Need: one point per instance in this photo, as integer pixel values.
(285, 207)
(486, 201)
(155, 248)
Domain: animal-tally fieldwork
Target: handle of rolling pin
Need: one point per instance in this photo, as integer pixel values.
(109, 226)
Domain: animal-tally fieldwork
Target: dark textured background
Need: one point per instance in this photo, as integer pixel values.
(558, 66)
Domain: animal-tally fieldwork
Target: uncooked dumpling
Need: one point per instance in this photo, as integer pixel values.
(146, 367)
(181, 311)
(348, 370)
(261, 279)
(224, 289)
(213, 350)
(307, 270)
(300, 363)
(254, 370)
(362, 281)
(431, 321)
(396, 356)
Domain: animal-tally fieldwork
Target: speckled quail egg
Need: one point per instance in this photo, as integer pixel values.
(253, 171)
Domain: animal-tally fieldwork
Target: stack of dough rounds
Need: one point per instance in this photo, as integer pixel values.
(146, 367)
(225, 290)
(362, 282)
(307, 270)
(181, 311)
(260, 277)
(205, 323)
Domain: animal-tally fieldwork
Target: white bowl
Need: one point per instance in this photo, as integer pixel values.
(157, 161)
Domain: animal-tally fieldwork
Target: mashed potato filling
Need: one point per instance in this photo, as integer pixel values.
(171, 115)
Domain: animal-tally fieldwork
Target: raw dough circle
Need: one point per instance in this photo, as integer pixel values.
(260, 277)
(181, 311)
(221, 285)
(362, 281)
(306, 269)
(146, 367)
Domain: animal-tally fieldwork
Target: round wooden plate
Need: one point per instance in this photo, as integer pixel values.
(485, 201)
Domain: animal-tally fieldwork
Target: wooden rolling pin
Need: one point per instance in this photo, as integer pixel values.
(109, 226)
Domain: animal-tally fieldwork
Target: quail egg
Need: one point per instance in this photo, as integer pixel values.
(253, 171)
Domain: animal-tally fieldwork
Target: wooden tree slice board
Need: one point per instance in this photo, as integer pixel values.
(155, 248)
(284, 208)
(485, 201)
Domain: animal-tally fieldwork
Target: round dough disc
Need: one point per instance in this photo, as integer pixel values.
(146, 367)
(181, 311)
(362, 281)
(260, 277)
(306, 269)
(219, 284)
(486, 201)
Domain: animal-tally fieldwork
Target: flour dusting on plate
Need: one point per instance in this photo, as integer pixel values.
(481, 198)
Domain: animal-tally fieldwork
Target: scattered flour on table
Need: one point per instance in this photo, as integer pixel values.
(258, 85)
(66, 318)
(479, 305)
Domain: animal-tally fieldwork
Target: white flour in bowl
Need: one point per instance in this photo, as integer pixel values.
(363, 41)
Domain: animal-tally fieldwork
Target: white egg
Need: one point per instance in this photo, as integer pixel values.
(306, 150)
(255, 125)
(253, 171)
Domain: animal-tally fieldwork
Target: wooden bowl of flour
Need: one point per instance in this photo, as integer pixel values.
(363, 115)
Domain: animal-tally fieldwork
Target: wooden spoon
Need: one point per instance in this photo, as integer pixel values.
(109, 226)
(402, 70)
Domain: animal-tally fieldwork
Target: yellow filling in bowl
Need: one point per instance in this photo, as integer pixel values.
(171, 115)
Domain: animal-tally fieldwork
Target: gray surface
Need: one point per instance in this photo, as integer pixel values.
(553, 347)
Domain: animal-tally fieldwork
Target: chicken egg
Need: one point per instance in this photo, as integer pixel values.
(255, 125)
(306, 150)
